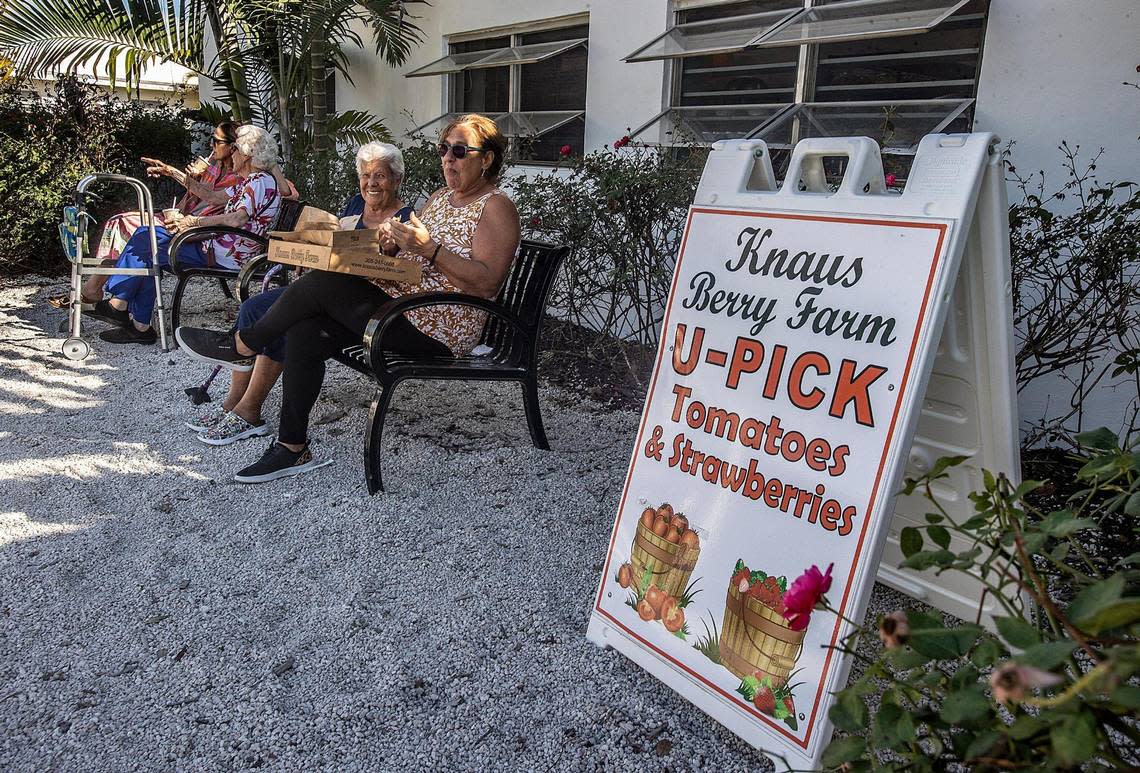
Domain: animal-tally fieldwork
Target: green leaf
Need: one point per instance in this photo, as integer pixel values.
(1074, 739)
(843, 750)
(965, 706)
(988, 480)
(1018, 632)
(1101, 439)
(983, 744)
(1025, 726)
(910, 541)
(904, 658)
(739, 565)
(940, 536)
(1131, 559)
(924, 559)
(1132, 506)
(849, 713)
(757, 576)
(1122, 613)
(934, 518)
(964, 677)
(944, 643)
(1024, 488)
(1062, 523)
(1095, 598)
(988, 652)
(1128, 696)
(1047, 656)
(748, 687)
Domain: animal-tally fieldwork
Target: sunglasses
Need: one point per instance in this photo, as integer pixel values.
(216, 141)
(458, 150)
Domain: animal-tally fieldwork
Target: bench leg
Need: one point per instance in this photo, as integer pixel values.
(374, 435)
(533, 415)
(226, 288)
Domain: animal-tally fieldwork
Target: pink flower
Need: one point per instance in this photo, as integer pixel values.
(536, 221)
(1012, 682)
(566, 150)
(804, 594)
(891, 179)
(894, 629)
(622, 142)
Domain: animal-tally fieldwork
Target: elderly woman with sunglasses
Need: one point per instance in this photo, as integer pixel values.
(251, 205)
(465, 239)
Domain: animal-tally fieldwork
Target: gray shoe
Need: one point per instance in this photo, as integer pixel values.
(231, 429)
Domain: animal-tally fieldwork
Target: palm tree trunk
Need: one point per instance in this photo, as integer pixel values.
(318, 85)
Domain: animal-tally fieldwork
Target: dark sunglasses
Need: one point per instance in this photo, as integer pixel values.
(458, 150)
(216, 141)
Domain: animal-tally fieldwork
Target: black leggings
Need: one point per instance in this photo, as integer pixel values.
(324, 312)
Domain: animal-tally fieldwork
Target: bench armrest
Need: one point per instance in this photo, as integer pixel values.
(203, 233)
(388, 312)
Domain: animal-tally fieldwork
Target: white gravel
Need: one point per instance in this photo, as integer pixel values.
(153, 614)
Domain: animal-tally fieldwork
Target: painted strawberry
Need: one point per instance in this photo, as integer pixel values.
(765, 699)
(743, 574)
(790, 705)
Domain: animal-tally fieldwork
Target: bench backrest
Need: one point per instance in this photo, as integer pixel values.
(525, 292)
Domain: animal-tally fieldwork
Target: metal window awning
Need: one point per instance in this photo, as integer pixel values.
(834, 22)
(897, 126)
(716, 36)
(857, 20)
(533, 123)
(705, 124)
(495, 57)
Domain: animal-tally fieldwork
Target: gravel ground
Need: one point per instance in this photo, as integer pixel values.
(153, 614)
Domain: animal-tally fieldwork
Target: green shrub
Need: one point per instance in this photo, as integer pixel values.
(1057, 687)
(50, 141)
(621, 212)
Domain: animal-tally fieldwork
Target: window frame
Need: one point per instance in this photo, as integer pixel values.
(808, 62)
(515, 34)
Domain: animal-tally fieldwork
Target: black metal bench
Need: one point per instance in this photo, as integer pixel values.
(287, 215)
(511, 334)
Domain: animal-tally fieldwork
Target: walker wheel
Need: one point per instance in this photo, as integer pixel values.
(75, 349)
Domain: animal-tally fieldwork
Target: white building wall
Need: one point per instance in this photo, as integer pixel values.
(1052, 70)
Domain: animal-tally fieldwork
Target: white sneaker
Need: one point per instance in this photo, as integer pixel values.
(231, 429)
(207, 419)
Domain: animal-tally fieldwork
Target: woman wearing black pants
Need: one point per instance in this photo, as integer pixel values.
(465, 238)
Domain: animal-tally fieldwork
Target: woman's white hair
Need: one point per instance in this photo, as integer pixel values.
(256, 143)
(381, 151)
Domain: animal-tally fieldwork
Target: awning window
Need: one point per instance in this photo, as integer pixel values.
(705, 124)
(497, 57)
(513, 125)
(857, 20)
(715, 36)
(896, 126)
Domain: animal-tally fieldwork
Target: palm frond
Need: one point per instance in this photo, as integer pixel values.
(121, 37)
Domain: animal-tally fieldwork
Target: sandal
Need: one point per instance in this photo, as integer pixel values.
(63, 301)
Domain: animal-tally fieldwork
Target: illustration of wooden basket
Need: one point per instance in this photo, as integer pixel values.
(670, 563)
(755, 637)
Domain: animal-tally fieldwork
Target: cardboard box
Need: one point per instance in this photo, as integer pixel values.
(348, 252)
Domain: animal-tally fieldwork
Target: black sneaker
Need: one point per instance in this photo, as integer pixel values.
(103, 310)
(279, 462)
(212, 346)
(129, 334)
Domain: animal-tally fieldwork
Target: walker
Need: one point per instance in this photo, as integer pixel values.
(73, 236)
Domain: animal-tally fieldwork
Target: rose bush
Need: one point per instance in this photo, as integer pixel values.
(1056, 687)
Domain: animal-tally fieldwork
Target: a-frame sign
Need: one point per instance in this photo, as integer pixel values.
(797, 350)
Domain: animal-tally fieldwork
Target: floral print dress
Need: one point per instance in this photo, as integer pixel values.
(457, 327)
(259, 197)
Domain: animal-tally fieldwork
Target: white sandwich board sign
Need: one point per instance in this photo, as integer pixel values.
(797, 343)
